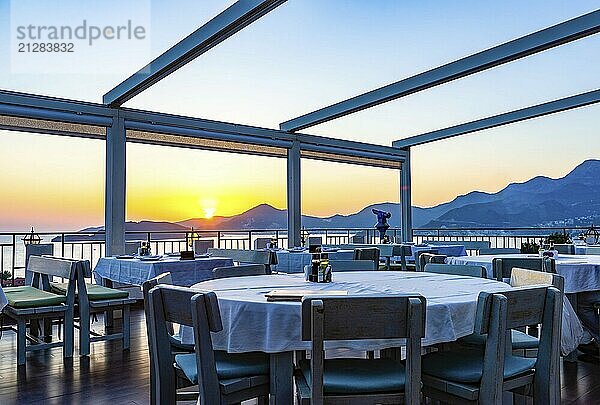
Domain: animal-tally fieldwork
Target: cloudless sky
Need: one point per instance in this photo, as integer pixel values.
(302, 56)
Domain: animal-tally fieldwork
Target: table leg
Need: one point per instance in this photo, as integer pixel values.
(388, 261)
(282, 367)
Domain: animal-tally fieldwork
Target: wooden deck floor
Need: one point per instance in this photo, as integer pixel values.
(111, 376)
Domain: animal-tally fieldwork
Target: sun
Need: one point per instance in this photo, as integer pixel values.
(209, 212)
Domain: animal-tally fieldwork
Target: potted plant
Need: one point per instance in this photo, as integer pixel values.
(5, 276)
(558, 238)
(530, 247)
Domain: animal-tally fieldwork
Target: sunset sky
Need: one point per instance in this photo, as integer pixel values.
(304, 55)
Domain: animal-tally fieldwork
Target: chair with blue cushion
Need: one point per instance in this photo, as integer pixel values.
(177, 346)
(358, 380)
(522, 344)
(222, 378)
(481, 375)
(502, 267)
(240, 271)
(456, 269)
(36, 302)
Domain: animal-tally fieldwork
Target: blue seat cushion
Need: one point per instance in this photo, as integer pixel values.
(466, 365)
(235, 365)
(359, 376)
(520, 340)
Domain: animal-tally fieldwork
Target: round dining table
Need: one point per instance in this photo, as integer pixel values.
(252, 323)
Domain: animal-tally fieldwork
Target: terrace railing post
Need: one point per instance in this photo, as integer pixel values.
(14, 257)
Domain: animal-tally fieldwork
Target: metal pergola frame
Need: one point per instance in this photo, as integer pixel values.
(50, 115)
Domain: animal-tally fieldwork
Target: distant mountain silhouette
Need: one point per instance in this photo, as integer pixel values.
(541, 201)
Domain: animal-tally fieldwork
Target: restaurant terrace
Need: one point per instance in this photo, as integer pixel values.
(295, 315)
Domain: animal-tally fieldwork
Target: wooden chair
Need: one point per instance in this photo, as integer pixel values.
(417, 256)
(240, 271)
(425, 258)
(267, 258)
(261, 243)
(222, 378)
(131, 248)
(36, 302)
(370, 253)
(355, 380)
(177, 346)
(499, 251)
(523, 344)
(480, 376)
(201, 246)
(352, 265)
(592, 250)
(455, 269)
(502, 267)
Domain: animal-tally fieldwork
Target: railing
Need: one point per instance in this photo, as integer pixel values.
(90, 245)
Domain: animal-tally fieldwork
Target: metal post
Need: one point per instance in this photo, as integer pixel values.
(405, 199)
(114, 206)
(294, 212)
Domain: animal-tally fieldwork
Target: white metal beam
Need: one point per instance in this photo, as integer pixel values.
(539, 110)
(294, 211)
(556, 35)
(406, 199)
(114, 200)
(239, 15)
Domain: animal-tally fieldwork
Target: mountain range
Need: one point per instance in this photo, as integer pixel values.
(541, 201)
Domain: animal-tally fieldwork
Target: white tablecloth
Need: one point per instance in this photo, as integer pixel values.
(294, 262)
(581, 272)
(134, 271)
(3, 300)
(251, 323)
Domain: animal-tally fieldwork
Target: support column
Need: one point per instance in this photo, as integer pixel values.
(294, 213)
(114, 198)
(405, 199)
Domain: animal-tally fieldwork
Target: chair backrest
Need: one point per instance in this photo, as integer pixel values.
(352, 265)
(524, 278)
(265, 257)
(201, 246)
(502, 267)
(405, 251)
(359, 238)
(369, 253)
(425, 258)
(420, 252)
(315, 241)
(592, 250)
(456, 269)
(172, 304)
(163, 278)
(565, 248)
(239, 271)
(36, 250)
(131, 248)
(498, 313)
(44, 268)
(261, 243)
(207, 319)
(499, 251)
(381, 317)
